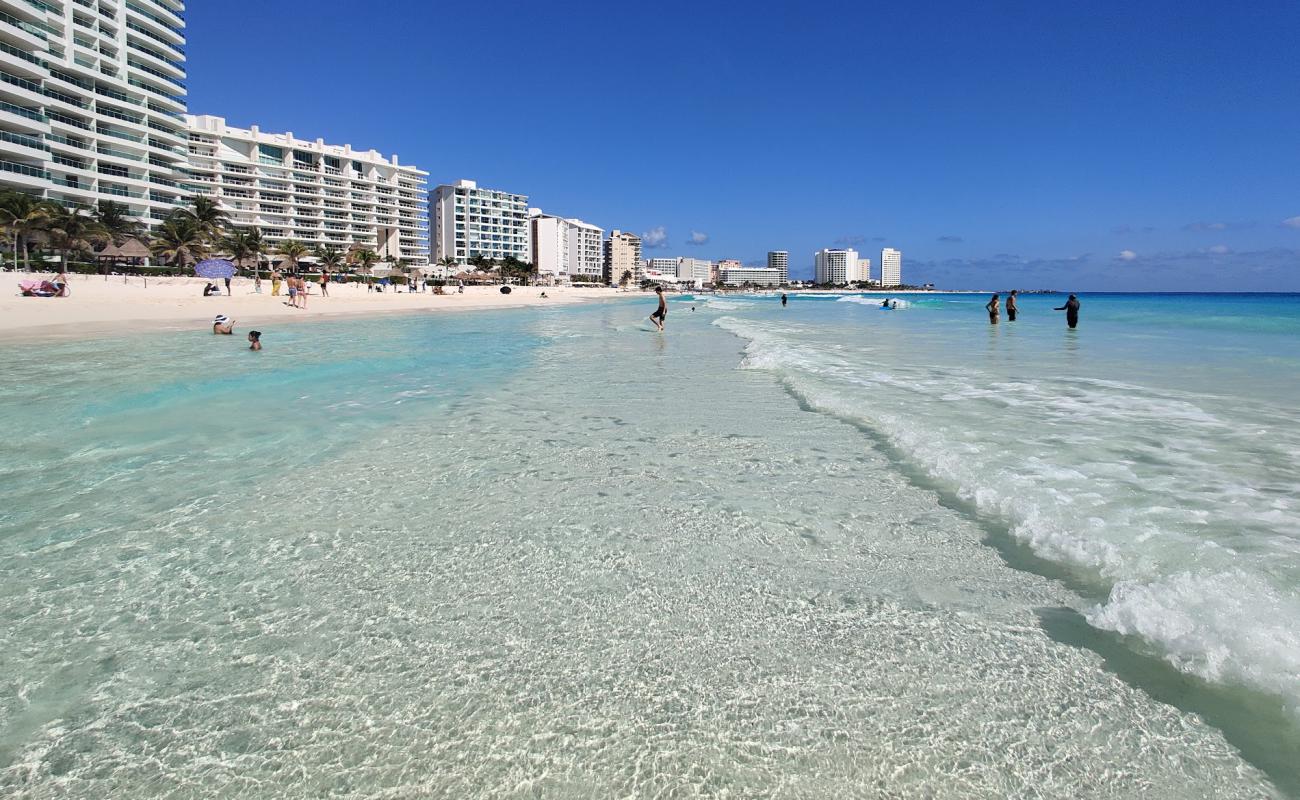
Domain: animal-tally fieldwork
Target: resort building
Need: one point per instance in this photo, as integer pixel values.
(864, 270)
(752, 276)
(697, 271)
(779, 260)
(891, 267)
(91, 102)
(837, 267)
(660, 267)
(469, 222)
(715, 276)
(622, 257)
(562, 248)
(319, 194)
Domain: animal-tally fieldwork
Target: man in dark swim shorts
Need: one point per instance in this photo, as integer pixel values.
(661, 313)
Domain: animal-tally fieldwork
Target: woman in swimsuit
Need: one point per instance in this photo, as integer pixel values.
(992, 307)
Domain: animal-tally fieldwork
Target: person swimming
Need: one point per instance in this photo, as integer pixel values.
(254, 340)
(223, 325)
(784, 300)
(1071, 309)
(992, 307)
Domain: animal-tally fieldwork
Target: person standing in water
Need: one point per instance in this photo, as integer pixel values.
(784, 300)
(661, 313)
(1011, 306)
(1071, 309)
(254, 340)
(992, 307)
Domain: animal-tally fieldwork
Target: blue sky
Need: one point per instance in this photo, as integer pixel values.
(1077, 146)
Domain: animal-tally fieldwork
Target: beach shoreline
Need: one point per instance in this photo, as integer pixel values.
(128, 304)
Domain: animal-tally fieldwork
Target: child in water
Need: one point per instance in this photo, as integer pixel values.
(254, 340)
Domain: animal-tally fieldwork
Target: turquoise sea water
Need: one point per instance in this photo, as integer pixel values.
(825, 550)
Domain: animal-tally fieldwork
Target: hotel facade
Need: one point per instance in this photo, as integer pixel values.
(91, 103)
(891, 267)
(470, 221)
(779, 260)
(316, 193)
(622, 257)
(562, 248)
(838, 267)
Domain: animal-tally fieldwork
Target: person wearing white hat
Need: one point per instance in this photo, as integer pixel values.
(223, 325)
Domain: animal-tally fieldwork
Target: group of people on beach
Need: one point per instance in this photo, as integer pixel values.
(1071, 309)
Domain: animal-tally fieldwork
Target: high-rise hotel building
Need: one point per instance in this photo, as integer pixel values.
(780, 260)
(891, 267)
(622, 257)
(838, 267)
(469, 221)
(91, 102)
(316, 193)
(562, 248)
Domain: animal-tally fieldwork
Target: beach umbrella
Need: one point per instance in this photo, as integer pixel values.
(214, 268)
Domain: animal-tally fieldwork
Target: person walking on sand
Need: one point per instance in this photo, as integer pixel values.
(227, 287)
(661, 313)
(992, 307)
(291, 286)
(302, 293)
(1071, 309)
(1011, 306)
(324, 283)
(275, 283)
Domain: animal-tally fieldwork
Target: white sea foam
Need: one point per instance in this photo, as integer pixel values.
(1186, 512)
(877, 302)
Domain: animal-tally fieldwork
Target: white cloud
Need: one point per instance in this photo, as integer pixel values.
(1220, 249)
(1127, 255)
(1293, 222)
(655, 237)
(698, 238)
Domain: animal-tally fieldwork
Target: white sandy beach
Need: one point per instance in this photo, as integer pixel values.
(98, 306)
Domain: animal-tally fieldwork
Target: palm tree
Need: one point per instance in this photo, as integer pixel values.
(118, 223)
(366, 259)
(329, 256)
(179, 239)
(448, 264)
(210, 217)
(23, 217)
(74, 229)
(238, 245)
(293, 250)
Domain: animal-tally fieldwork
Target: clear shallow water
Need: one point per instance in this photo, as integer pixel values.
(549, 553)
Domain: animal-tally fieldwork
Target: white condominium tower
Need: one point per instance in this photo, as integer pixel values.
(91, 98)
(316, 193)
(780, 260)
(562, 248)
(695, 270)
(622, 257)
(891, 267)
(469, 221)
(838, 267)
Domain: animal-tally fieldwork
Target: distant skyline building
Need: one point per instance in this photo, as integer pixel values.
(662, 266)
(316, 193)
(715, 276)
(469, 221)
(864, 269)
(91, 103)
(622, 257)
(694, 270)
(780, 260)
(837, 267)
(754, 276)
(891, 267)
